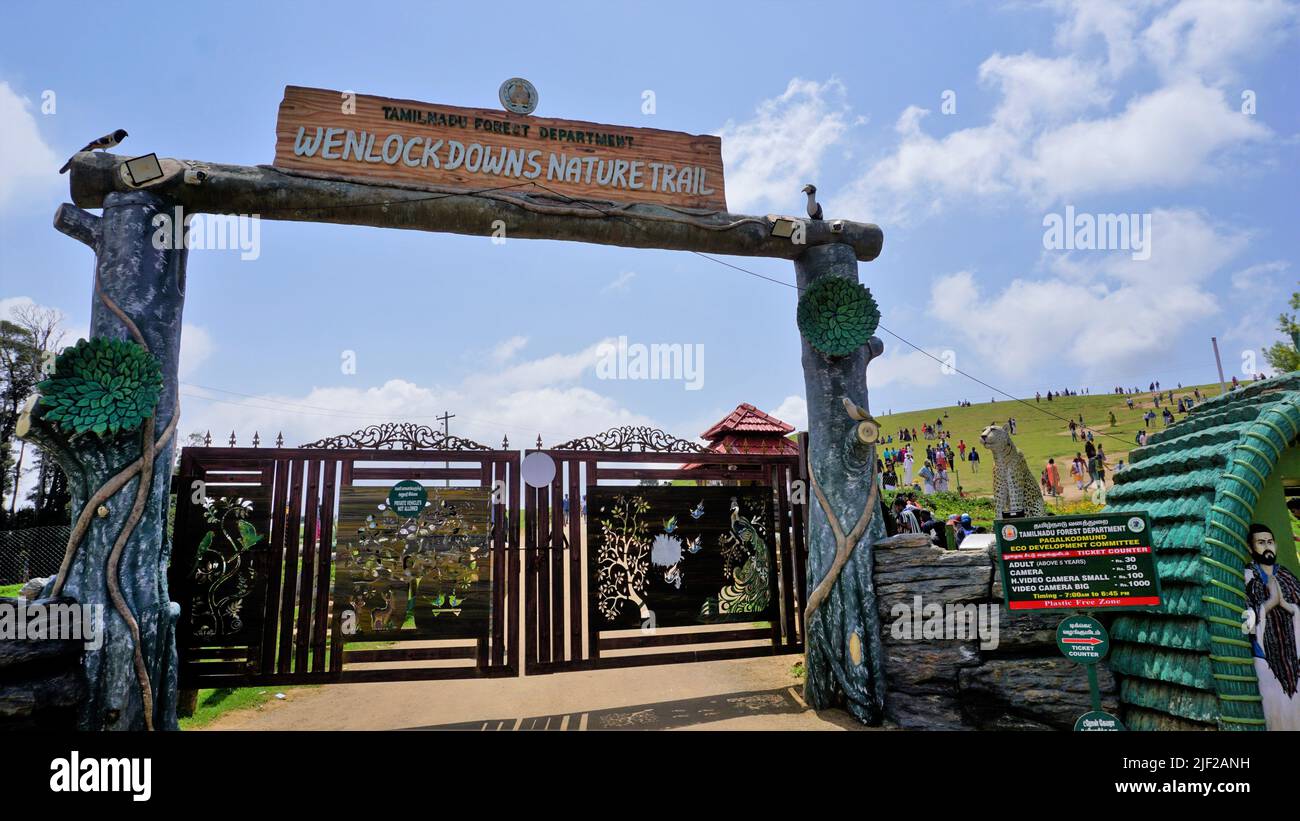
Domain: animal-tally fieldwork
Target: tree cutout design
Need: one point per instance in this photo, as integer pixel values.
(623, 559)
(397, 566)
(101, 386)
(837, 315)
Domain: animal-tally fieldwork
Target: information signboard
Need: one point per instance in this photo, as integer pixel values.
(1090, 562)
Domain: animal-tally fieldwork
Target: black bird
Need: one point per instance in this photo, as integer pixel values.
(102, 144)
(814, 208)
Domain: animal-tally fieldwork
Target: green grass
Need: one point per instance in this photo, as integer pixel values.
(1039, 435)
(10, 590)
(216, 703)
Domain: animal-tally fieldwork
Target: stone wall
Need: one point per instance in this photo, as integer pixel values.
(41, 681)
(935, 684)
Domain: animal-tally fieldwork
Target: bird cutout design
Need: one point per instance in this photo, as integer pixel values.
(670, 525)
(453, 601)
(748, 591)
(673, 576)
(698, 511)
(814, 207)
(102, 144)
(439, 600)
(693, 546)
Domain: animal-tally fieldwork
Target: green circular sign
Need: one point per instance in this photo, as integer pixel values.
(407, 498)
(1098, 721)
(1082, 639)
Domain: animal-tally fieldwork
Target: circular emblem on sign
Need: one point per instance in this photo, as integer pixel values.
(1010, 533)
(407, 498)
(1136, 524)
(538, 470)
(1082, 639)
(1098, 721)
(518, 96)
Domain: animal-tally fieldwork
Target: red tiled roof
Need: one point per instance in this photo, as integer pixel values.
(747, 430)
(748, 419)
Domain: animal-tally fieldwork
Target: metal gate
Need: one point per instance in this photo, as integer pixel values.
(277, 585)
(568, 621)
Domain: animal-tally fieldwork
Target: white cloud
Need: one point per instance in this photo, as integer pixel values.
(1114, 22)
(538, 397)
(535, 373)
(1040, 89)
(793, 410)
(27, 165)
(902, 365)
(619, 283)
(771, 156)
(1096, 311)
(1253, 279)
(1208, 38)
(507, 348)
(71, 333)
(196, 347)
(1166, 138)
(1054, 133)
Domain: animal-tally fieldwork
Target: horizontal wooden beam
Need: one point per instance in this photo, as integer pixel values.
(526, 211)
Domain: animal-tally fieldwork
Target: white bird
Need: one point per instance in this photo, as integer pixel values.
(814, 208)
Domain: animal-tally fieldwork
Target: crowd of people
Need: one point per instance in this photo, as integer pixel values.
(909, 516)
(928, 459)
(941, 458)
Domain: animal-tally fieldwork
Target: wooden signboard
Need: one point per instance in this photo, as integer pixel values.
(376, 139)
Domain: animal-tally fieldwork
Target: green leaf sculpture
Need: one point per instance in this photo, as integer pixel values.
(837, 315)
(102, 386)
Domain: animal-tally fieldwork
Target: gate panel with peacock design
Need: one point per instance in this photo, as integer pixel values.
(648, 549)
(294, 565)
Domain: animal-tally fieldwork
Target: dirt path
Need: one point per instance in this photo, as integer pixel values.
(742, 694)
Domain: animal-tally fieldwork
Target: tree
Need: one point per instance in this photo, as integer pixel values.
(19, 372)
(107, 415)
(844, 656)
(1283, 356)
(50, 497)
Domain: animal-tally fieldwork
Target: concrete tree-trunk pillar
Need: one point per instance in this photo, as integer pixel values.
(844, 660)
(147, 284)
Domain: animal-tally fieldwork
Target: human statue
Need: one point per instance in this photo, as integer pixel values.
(1272, 620)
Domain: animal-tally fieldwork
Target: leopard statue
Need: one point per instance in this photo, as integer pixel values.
(1016, 492)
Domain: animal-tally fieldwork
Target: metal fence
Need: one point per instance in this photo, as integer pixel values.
(32, 553)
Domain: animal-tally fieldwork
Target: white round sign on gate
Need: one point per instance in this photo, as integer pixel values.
(538, 470)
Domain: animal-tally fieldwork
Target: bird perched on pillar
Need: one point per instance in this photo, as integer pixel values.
(814, 208)
(102, 144)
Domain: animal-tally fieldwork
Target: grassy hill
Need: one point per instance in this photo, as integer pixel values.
(1039, 436)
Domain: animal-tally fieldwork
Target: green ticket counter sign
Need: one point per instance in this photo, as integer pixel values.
(1090, 562)
(1082, 639)
(407, 498)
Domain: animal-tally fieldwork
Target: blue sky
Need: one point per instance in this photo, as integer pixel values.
(1107, 107)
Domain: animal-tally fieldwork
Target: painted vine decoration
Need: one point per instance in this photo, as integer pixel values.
(633, 438)
(837, 315)
(122, 402)
(101, 386)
